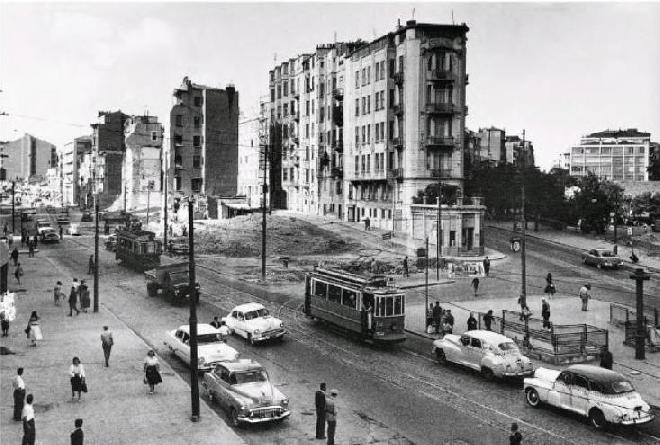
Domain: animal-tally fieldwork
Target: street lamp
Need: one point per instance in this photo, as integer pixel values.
(640, 332)
(192, 323)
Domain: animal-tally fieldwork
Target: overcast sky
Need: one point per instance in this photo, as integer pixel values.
(557, 70)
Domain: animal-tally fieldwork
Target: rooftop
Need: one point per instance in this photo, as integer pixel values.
(629, 133)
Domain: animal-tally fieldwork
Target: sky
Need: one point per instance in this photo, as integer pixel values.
(556, 70)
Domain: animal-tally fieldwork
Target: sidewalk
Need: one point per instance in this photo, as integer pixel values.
(116, 410)
(565, 309)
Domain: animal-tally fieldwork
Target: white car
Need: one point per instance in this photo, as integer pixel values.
(492, 354)
(601, 395)
(253, 322)
(210, 350)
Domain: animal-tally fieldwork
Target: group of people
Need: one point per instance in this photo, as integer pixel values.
(79, 293)
(326, 414)
(438, 320)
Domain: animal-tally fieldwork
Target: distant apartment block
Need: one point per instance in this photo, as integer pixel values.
(251, 160)
(203, 152)
(617, 155)
(70, 162)
(518, 152)
(28, 157)
(142, 161)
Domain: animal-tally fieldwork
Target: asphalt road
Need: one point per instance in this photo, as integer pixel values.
(386, 394)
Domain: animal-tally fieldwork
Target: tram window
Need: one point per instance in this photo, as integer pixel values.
(380, 308)
(149, 248)
(348, 298)
(398, 305)
(389, 306)
(320, 289)
(334, 293)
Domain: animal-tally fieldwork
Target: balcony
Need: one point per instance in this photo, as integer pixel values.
(441, 108)
(364, 175)
(397, 143)
(398, 78)
(441, 173)
(338, 93)
(296, 116)
(337, 172)
(338, 116)
(441, 75)
(440, 141)
(398, 109)
(338, 146)
(395, 174)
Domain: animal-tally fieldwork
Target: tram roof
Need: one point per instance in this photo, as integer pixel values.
(374, 282)
(136, 234)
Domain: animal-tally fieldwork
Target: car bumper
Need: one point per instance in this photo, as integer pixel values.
(518, 373)
(638, 420)
(269, 335)
(246, 419)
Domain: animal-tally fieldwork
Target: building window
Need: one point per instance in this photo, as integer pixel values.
(154, 135)
(357, 107)
(364, 76)
(197, 161)
(196, 184)
(368, 75)
(368, 104)
(178, 139)
(178, 120)
(272, 94)
(285, 85)
(197, 121)
(285, 110)
(357, 136)
(357, 79)
(307, 108)
(198, 101)
(197, 141)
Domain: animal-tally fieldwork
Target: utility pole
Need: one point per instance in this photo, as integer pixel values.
(125, 198)
(96, 237)
(192, 324)
(13, 207)
(523, 290)
(165, 175)
(438, 251)
(640, 332)
(426, 281)
(264, 190)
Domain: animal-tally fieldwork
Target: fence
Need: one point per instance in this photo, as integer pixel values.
(620, 315)
(560, 342)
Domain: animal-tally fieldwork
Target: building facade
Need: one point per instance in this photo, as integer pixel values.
(70, 162)
(203, 154)
(142, 161)
(250, 161)
(519, 152)
(28, 157)
(616, 155)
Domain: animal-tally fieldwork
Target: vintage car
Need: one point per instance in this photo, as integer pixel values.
(601, 395)
(49, 235)
(490, 353)
(601, 258)
(253, 322)
(86, 217)
(210, 350)
(244, 390)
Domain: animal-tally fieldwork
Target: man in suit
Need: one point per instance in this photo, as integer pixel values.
(19, 394)
(320, 412)
(77, 436)
(331, 416)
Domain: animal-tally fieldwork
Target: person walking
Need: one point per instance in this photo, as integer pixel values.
(585, 296)
(73, 298)
(224, 331)
(152, 371)
(549, 285)
(14, 256)
(448, 324)
(84, 296)
(18, 273)
(29, 426)
(606, 359)
(488, 319)
(57, 293)
(437, 317)
(106, 343)
(545, 313)
(18, 385)
(61, 232)
(405, 267)
(475, 285)
(77, 375)
(90, 267)
(515, 438)
(522, 301)
(4, 322)
(319, 402)
(471, 322)
(486, 266)
(77, 435)
(30, 248)
(35, 240)
(33, 329)
(216, 323)
(331, 416)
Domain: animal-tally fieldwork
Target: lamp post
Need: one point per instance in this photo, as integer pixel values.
(438, 252)
(640, 332)
(192, 323)
(426, 280)
(96, 237)
(523, 287)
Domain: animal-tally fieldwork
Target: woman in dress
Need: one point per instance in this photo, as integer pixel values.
(84, 296)
(151, 371)
(77, 373)
(33, 329)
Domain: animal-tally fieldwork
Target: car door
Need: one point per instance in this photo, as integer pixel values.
(241, 328)
(474, 354)
(230, 321)
(461, 355)
(563, 388)
(177, 343)
(580, 394)
(184, 347)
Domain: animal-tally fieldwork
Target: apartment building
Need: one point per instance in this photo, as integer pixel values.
(519, 152)
(70, 162)
(203, 152)
(251, 159)
(617, 155)
(142, 161)
(28, 157)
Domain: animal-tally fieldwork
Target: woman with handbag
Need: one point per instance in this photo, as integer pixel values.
(78, 383)
(152, 371)
(33, 329)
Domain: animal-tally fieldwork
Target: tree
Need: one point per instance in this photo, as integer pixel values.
(447, 194)
(594, 202)
(646, 203)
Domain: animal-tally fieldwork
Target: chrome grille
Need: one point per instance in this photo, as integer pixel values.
(266, 412)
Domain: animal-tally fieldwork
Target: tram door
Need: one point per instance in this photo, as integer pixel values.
(367, 313)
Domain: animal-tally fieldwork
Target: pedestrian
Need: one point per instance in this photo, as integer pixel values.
(57, 293)
(216, 323)
(585, 296)
(448, 323)
(5, 229)
(437, 317)
(545, 313)
(319, 401)
(152, 371)
(522, 301)
(77, 374)
(30, 249)
(106, 343)
(486, 266)
(549, 285)
(18, 385)
(331, 416)
(471, 322)
(488, 319)
(14, 256)
(4, 322)
(33, 329)
(606, 359)
(18, 273)
(77, 435)
(29, 427)
(366, 223)
(61, 232)
(73, 298)
(429, 318)
(35, 240)
(84, 296)
(475, 285)
(90, 268)
(224, 331)
(515, 438)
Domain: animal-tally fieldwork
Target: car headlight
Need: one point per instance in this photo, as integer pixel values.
(244, 411)
(256, 331)
(285, 403)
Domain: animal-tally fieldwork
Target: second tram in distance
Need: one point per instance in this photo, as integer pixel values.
(138, 249)
(365, 306)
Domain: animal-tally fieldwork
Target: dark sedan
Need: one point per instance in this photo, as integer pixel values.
(602, 258)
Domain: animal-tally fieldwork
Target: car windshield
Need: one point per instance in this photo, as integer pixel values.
(607, 254)
(508, 347)
(207, 338)
(256, 314)
(622, 386)
(257, 375)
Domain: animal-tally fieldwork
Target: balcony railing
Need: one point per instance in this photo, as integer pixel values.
(442, 74)
(398, 109)
(440, 141)
(441, 108)
(397, 143)
(398, 78)
(441, 173)
(395, 173)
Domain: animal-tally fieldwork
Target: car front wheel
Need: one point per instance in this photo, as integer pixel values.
(233, 417)
(597, 419)
(532, 397)
(440, 356)
(487, 374)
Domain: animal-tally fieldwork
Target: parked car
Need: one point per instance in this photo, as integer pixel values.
(86, 217)
(49, 235)
(211, 349)
(253, 322)
(244, 390)
(170, 280)
(73, 229)
(43, 227)
(603, 396)
(602, 258)
(178, 245)
(492, 354)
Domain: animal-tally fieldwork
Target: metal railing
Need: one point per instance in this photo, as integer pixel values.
(620, 315)
(447, 141)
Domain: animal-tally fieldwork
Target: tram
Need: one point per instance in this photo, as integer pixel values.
(138, 249)
(366, 306)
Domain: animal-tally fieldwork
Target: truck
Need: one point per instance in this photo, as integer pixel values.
(169, 280)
